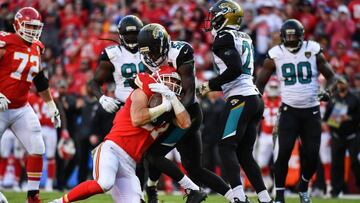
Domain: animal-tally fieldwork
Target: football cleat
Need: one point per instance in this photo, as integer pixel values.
(195, 196)
(304, 197)
(236, 200)
(271, 201)
(57, 201)
(152, 195)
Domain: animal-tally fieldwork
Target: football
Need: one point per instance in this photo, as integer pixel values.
(155, 100)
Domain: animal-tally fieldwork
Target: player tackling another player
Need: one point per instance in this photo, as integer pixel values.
(20, 66)
(131, 135)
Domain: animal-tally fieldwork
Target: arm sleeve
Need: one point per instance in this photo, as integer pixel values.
(186, 55)
(104, 56)
(41, 82)
(224, 48)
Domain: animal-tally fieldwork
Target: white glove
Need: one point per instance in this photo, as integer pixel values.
(54, 114)
(204, 88)
(166, 103)
(163, 90)
(4, 102)
(109, 104)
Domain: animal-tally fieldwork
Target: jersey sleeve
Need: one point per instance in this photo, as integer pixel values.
(274, 52)
(113, 52)
(186, 55)
(4, 38)
(314, 47)
(223, 40)
(104, 56)
(143, 80)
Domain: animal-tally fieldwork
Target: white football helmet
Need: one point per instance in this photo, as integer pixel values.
(66, 148)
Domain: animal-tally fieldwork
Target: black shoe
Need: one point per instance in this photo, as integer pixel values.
(152, 195)
(271, 201)
(195, 196)
(304, 197)
(236, 200)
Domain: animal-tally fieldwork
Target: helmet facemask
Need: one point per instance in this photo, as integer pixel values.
(153, 59)
(29, 30)
(172, 81)
(129, 40)
(291, 40)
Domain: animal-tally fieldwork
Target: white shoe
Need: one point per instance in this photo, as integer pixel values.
(49, 189)
(16, 188)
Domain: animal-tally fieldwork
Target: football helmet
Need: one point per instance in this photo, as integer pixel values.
(66, 148)
(128, 29)
(28, 24)
(170, 78)
(272, 88)
(154, 43)
(224, 13)
(292, 35)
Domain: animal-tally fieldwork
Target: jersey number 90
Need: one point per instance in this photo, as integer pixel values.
(302, 73)
(129, 70)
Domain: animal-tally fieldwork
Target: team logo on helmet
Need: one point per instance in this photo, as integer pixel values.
(158, 33)
(227, 8)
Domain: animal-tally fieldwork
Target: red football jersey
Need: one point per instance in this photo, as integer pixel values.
(41, 108)
(270, 115)
(18, 67)
(134, 140)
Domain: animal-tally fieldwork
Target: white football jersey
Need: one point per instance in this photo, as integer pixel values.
(126, 65)
(298, 74)
(243, 85)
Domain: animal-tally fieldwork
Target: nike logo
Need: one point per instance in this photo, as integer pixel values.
(185, 52)
(220, 36)
(315, 112)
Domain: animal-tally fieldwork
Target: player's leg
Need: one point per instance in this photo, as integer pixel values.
(245, 152)
(338, 149)
(27, 129)
(325, 157)
(287, 134)
(106, 165)
(19, 153)
(263, 157)
(4, 123)
(354, 149)
(310, 134)
(50, 139)
(6, 144)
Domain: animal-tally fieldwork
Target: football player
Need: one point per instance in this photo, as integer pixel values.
(132, 133)
(234, 57)
(265, 141)
(119, 63)
(297, 64)
(20, 67)
(157, 49)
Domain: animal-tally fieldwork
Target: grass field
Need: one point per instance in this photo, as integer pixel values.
(14, 197)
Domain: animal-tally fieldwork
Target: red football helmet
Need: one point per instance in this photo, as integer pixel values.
(170, 78)
(28, 24)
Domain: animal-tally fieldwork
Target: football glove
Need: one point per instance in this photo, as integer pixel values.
(4, 102)
(204, 88)
(54, 114)
(163, 90)
(324, 95)
(109, 104)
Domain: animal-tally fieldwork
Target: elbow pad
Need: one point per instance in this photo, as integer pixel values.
(41, 82)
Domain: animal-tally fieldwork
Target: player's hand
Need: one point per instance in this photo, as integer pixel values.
(54, 114)
(162, 89)
(324, 95)
(204, 88)
(65, 134)
(109, 104)
(167, 104)
(4, 102)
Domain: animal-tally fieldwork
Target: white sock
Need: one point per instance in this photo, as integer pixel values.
(33, 185)
(49, 183)
(151, 183)
(264, 196)
(238, 192)
(229, 195)
(186, 183)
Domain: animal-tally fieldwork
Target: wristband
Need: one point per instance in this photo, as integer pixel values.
(157, 111)
(177, 105)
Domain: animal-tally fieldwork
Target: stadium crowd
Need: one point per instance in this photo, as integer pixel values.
(76, 31)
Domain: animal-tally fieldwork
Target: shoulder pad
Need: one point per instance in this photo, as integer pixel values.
(275, 52)
(143, 80)
(223, 39)
(313, 46)
(113, 51)
(40, 45)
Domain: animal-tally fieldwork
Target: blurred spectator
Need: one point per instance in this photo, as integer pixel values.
(354, 7)
(307, 17)
(343, 117)
(341, 27)
(88, 106)
(356, 89)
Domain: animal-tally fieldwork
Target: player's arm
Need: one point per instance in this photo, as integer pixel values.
(224, 48)
(42, 85)
(264, 75)
(325, 69)
(186, 70)
(2, 51)
(102, 75)
(140, 113)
